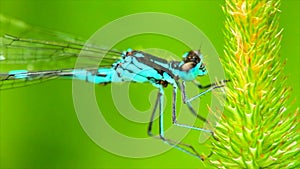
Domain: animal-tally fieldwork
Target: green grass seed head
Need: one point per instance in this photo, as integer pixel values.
(259, 130)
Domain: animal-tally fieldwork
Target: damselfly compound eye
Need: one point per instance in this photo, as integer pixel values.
(192, 56)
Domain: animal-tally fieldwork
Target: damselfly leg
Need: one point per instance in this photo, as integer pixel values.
(174, 117)
(188, 101)
(187, 148)
(209, 88)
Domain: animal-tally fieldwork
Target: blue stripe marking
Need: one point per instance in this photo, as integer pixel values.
(18, 74)
(103, 75)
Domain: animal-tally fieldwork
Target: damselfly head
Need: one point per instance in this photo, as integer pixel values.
(192, 56)
(193, 59)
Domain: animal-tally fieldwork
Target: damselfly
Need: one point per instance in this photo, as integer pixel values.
(127, 66)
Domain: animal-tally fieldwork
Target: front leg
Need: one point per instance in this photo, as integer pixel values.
(210, 88)
(188, 102)
(174, 118)
(209, 85)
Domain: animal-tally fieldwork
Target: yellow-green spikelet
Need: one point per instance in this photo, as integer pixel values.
(256, 130)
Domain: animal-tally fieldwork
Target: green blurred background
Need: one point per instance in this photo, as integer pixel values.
(39, 127)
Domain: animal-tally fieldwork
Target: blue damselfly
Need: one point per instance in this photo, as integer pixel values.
(116, 67)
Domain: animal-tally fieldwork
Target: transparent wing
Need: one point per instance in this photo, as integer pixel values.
(22, 44)
(24, 47)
